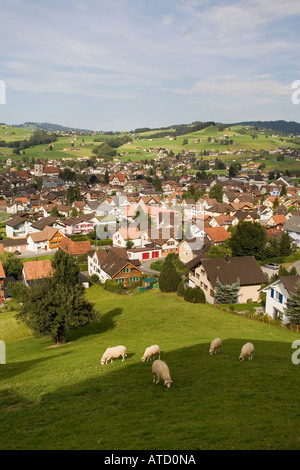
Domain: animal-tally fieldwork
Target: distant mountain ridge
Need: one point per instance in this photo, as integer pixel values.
(286, 127)
(47, 126)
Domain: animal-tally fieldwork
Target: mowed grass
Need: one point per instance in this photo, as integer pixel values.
(62, 398)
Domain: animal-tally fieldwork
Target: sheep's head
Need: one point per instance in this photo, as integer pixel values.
(241, 358)
(168, 383)
(143, 359)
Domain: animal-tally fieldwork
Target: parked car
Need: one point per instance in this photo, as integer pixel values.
(17, 252)
(272, 265)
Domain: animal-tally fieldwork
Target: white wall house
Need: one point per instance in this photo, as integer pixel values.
(133, 234)
(94, 266)
(277, 296)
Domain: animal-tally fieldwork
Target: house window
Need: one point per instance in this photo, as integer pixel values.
(279, 297)
(126, 270)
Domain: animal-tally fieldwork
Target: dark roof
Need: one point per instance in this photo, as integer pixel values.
(78, 219)
(290, 283)
(148, 247)
(293, 224)
(113, 263)
(14, 242)
(244, 268)
(194, 262)
(15, 221)
(241, 215)
(44, 222)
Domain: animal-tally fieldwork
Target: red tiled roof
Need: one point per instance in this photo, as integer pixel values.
(217, 234)
(37, 269)
(2, 273)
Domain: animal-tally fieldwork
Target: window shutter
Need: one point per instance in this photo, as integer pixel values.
(280, 298)
(272, 293)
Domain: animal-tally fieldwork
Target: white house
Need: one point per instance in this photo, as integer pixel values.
(132, 234)
(277, 296)
(150, 251)
(17, 226)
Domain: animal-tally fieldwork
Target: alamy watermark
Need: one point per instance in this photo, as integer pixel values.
(296, 93)
(296, 354)
(2, 92)
(2, 353)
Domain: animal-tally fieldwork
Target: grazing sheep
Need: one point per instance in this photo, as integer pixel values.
(247, 350)
(150, 353)
(215, 346)
(160, 370)
(114, 353)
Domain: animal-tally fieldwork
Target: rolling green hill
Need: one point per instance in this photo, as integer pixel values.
(215, 139)
(62, 398)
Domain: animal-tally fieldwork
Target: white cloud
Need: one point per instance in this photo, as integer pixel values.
(238, 87)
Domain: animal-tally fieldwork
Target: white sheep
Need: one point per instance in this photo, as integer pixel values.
(215, 346)
(113, 353)
(160, 370)
(247, 350)
(150, 353)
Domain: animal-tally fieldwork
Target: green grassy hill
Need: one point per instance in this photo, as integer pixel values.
(62, 398)
(144, 147)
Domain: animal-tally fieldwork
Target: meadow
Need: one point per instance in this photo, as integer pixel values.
(62, 398)
(144, 148)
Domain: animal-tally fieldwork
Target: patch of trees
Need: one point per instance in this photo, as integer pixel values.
(115, 142)
(180, 129)
(38, 138)
(58, 304)
(250, 239)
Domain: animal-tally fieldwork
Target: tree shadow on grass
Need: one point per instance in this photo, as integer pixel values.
(106, 323)
(10, 369)
(215, 402)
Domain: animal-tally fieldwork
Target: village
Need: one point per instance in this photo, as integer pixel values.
(119, 218)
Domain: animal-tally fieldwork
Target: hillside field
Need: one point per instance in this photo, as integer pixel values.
(142, 147)
(62, 398)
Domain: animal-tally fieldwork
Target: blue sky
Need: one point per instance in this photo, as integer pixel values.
(122, 64)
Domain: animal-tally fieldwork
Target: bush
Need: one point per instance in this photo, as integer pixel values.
(114, 286)
(17, 290)
(194, 295)
(94, 278)
(181, 289)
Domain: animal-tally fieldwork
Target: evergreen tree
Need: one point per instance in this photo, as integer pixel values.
(227, 293)
(169, 277)
(106, 177)
(248, 239)
(293, 309)
(283, 190)
(272, 249)
(54, 212)
(194, 295)
(285, 245)
(157, 184)
(216, 192)
(180, 289)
